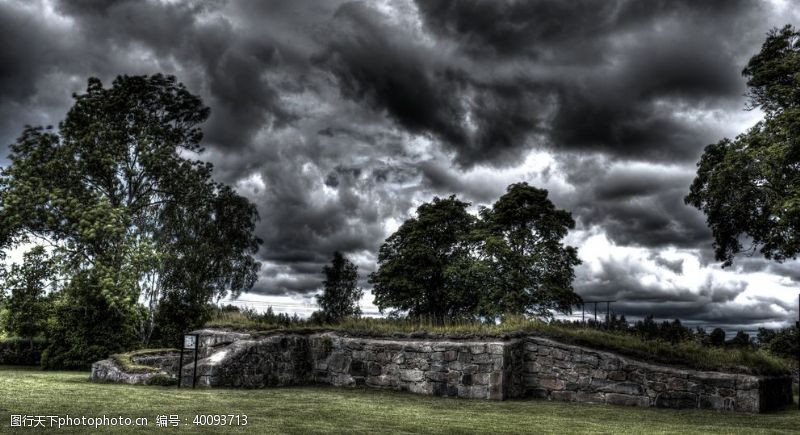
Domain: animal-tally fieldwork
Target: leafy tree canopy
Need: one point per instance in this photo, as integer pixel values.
(447, 263)
(340, 294)
(423, 265)
(531, 270)
(749, 187)
(24, 288)
(115, 192)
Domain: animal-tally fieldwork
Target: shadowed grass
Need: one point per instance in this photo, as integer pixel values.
(340, 410)
(689, 354)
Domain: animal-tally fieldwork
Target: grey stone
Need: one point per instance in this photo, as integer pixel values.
(566, 396)
(623, 388)
(676, 399)
(627, 400)
(531, 366)
(583, 396)
(413, 375)
(617, 375)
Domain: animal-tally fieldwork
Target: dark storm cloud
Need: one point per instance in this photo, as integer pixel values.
(712, 304)
(637, 204)
(338, 118)
(191, 38)
(428, 92)
(610, 66)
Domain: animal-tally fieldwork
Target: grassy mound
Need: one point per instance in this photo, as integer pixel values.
(125, 360)
(688, 354)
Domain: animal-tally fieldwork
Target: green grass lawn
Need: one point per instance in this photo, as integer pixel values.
(328, 409)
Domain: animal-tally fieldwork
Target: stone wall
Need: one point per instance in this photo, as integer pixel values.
(572, 373)
(473, 369)
(485, 369)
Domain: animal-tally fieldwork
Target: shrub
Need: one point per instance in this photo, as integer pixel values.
(21, 352)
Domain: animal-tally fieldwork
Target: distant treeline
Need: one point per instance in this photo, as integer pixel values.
(781, 342)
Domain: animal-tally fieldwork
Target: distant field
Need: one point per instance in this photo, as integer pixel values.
(328, 409)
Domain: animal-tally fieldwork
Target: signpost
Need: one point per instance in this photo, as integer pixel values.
(191, 342)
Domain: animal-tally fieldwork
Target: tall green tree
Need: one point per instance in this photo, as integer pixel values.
(424, 268)
(340, 293)
(530, 268)
(717, 337)
(132, 218)
(25, 287)
(749, 187)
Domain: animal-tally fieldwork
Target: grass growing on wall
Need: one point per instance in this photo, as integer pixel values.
(690, 354)
(324, 410)
(125, 360)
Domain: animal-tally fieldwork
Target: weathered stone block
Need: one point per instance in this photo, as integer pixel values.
(626, 400)
(677, 384)
(628, 388)
(583, 396)
(746, 400)
(495, 348)
(437, 376)
(477, 348)
(552, 383)
(617, 375)
(565, 396)
(676, 399)
(412, 375)
(585, 358)
(481, 378)
(746, 382)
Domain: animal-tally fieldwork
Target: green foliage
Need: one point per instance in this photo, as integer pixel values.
(782, 342)
(85, 327)
(21, 351)
(446, 263)
(27, 307)
(717, 337)
(749, 187)
(128, 216)
(236, 318)
(340, 293)
(530, 270)
(423, 267)
(741, 340)
(162, 380)
(125, 360)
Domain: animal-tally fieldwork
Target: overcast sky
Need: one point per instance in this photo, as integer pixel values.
(339, 118)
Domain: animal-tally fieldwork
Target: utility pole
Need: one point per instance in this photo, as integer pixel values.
(608, 311)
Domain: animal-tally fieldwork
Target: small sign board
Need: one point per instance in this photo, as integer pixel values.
(189, 341)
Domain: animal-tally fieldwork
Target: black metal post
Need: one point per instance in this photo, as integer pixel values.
(194, 372)
(595, 313)
(180, 365)
(583, 312)
(608, 315)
